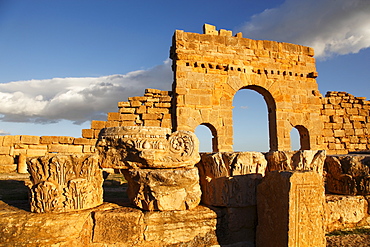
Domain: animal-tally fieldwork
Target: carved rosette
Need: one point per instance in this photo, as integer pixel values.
(147, 147)
(64, 183)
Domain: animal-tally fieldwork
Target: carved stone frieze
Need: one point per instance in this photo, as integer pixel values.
(147, 147)
(303, 160)
(64, 183)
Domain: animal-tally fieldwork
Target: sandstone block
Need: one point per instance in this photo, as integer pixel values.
(97, 125)
(348, 174)
(293, 201)
(58, 148)
(164, 189)
(158, 110)
(123, 104)
(127, 117)
(88, 133)
(29, 229)
(83, 141)
(113, 116)
(122, 225)
(5, 150)
(179, 227)
(127, 110)
(344, 211)
(36, 152)
(49, 139)
(30, 139)
(66, 139)
(8, 168)
(231, 179)
(6, 160)
(75, 149)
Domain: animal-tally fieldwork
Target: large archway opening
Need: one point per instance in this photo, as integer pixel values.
(207, 137)
(254, 120)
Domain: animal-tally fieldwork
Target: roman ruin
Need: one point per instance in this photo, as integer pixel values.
(177, 196)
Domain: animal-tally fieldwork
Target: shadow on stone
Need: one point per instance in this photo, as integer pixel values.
(14, 193)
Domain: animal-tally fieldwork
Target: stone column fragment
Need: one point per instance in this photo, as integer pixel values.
(64, 183)
(290, 208)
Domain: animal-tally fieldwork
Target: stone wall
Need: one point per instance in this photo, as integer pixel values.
(152, 109)
(210, 68)
(346, 123)
(14, 149)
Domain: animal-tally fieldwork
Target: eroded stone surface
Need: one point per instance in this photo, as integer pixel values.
(65, 182)
(291, 209)
(164, 189)
(230, 179)
(303, 160)
(147, 147)
(348, 174)
(346, 212)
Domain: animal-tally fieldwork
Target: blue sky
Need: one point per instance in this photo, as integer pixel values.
(64, 63)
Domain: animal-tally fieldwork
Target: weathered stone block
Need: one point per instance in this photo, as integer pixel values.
(88, 133)
(164, 189)
(290, 208)
(345, 211)
(97, 125)
(122, 225)
(348, 174)
(49, 139)
(30, 139)
(176, 227)
(66, 139)
(230, 179)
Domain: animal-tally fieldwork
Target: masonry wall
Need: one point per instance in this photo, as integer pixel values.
(152, 109)
(12, 147)
(346, 123)
(210, 68)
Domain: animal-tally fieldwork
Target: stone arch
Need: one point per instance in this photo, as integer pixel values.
(213, 131)
(304, 137)
(271, 111)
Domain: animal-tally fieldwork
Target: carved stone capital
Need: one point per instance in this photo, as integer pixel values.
(64, 183)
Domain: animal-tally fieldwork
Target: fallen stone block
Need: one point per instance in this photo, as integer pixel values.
(163, 189)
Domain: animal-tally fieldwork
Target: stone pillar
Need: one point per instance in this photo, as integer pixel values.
(290, 208)
(22, 164)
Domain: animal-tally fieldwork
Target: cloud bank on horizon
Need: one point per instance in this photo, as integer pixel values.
(76, 99)
(331, 27)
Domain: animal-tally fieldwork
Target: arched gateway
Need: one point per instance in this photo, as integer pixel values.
(210, 68)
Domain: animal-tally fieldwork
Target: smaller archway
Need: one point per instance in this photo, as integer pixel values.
(303, 137)
(207, 135)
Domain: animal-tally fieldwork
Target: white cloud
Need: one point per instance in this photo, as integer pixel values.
(77, 99)
(4, 133)
(329, 26)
